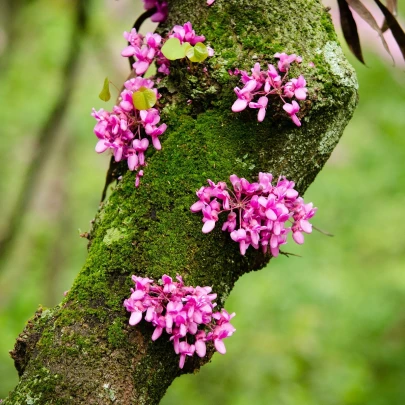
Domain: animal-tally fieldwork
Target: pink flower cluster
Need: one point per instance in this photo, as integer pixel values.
(265, 213)
(123, 130)
(185, 313)
(185, 33)
(161, 9)
(263, 83)
(146, 50)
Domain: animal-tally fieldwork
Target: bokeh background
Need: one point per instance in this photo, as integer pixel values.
(326, 328)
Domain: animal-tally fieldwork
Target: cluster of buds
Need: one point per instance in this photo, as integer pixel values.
(185, 313)
(262, 83)
(265, 213)
(124, 129)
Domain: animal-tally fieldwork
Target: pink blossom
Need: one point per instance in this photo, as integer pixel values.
(261, 105)
(185, 33)
(259, 214)
(296, 87)
(291, 110)
(185, 313)
(138, 178)
(261, 84)
(286, 60)
(126, 131)
(244, 96)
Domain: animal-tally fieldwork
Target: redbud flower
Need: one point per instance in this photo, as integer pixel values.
(291, 110)
(296, 87)
(261, 104)
(286, 60)
(184, 312)
(185, 33)
(263, 84)
(259, 214)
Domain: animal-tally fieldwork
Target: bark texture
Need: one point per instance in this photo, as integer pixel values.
(83, 351)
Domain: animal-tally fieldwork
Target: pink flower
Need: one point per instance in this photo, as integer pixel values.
(296, 87)
(138, 178)
(244, 96)
(261, 105)
(286, 60)
(185, 33)
(241, 237)
(291, 110)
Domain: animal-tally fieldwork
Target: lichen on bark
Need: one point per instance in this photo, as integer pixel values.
(83, 351)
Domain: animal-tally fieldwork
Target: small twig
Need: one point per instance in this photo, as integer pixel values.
(321, 231)
(288, 254)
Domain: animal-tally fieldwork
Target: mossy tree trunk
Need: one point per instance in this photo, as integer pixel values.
(83, 351)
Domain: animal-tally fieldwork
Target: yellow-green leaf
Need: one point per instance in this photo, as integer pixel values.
(198, 53)
(144, 99)
(172, 49)
(105, 94)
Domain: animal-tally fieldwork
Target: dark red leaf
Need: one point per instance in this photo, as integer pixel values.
(349, 29)
(394, 26)
(392, 5)
(363, 13)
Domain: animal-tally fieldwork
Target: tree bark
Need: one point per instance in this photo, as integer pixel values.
(83, 351)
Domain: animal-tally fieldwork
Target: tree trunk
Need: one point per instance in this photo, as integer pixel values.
(83, 351)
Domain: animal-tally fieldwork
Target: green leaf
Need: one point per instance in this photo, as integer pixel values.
(172, 49)
(105, 94)
(198, 53)
(144, 99)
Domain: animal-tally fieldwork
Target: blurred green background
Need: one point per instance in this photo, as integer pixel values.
(326, 328)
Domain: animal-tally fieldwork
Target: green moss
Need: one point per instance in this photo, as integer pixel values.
(116, 335)
(326, 21)
(114, 235)
(38, 390)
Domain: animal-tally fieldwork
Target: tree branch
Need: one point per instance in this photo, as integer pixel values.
(86, 352)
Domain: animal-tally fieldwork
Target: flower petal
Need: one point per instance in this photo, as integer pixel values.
(220, 346)
(135, 318)
(239, 105)
(208, 226)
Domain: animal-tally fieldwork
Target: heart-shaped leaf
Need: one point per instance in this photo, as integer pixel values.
(105, 94)
(172, 49)
(198, 53)
(144, 99)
